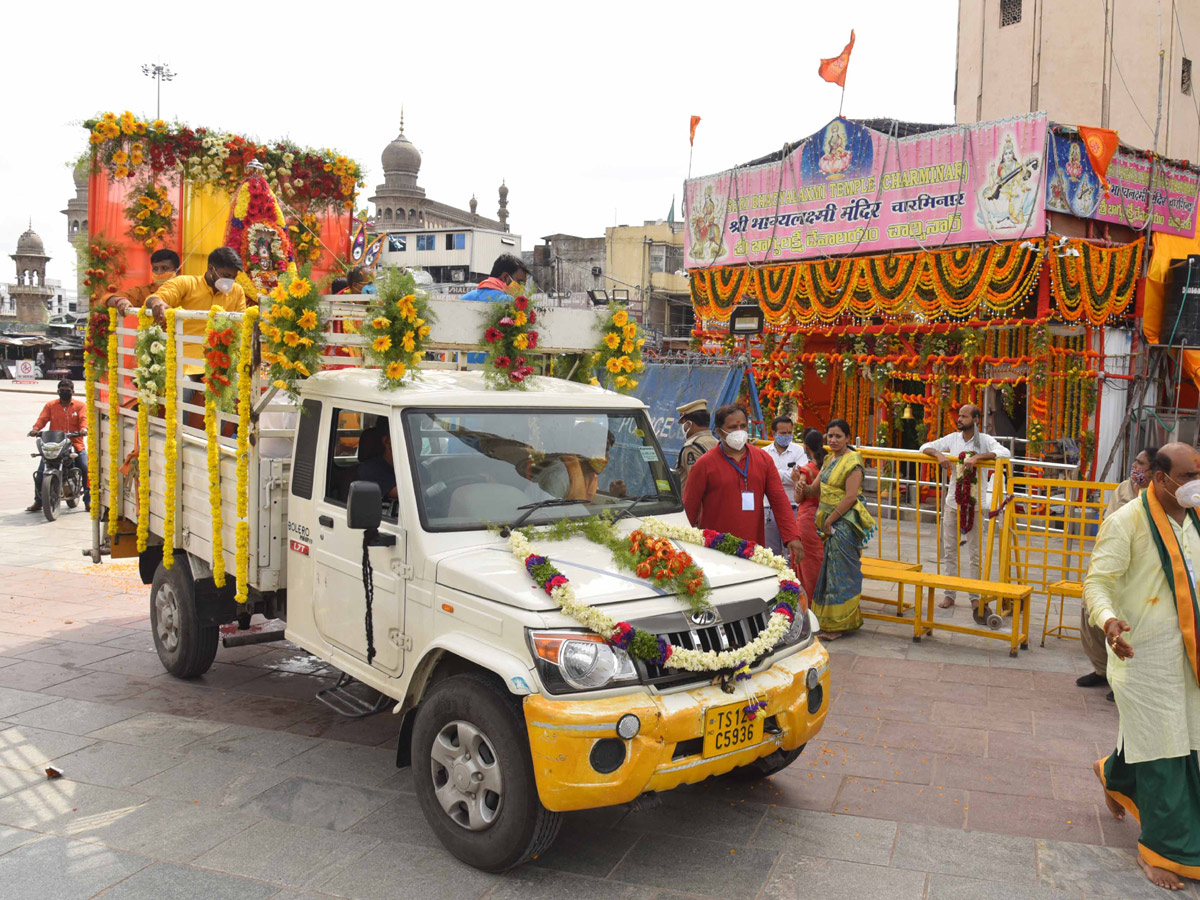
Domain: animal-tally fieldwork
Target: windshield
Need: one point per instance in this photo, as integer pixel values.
(473, 469)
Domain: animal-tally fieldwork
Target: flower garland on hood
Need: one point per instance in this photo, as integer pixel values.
(648, 646)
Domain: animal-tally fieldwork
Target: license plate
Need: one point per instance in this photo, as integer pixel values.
(726, 728)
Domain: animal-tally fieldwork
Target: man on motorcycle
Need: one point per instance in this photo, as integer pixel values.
(66, 414)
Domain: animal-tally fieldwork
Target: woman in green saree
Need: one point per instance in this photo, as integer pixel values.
(846, 526)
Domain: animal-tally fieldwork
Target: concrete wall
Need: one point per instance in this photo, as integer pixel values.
(1067, 57)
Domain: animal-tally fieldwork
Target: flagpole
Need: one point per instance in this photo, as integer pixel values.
(842, 99)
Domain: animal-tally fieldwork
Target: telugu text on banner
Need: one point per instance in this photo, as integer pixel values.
(850, 189)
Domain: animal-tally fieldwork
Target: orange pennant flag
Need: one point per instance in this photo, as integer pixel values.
(1101, 144)
(692, 132)
(834, 70)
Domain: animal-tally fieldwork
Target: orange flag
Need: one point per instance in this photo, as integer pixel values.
(692, 132)
(834, 70)
(1101, 144)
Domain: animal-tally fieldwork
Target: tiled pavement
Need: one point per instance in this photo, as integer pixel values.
(945, 770)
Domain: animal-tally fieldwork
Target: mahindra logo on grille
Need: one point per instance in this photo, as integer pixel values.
(704, 617)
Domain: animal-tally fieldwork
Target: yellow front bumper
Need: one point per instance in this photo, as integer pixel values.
(562, 733)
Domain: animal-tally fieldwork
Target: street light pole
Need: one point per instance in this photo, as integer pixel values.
(160, 72)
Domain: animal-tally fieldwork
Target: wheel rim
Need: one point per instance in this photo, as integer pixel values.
(55, 492)
(466, 776)
(166, 625)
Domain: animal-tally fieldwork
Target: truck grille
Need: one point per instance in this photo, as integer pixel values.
(724, 636)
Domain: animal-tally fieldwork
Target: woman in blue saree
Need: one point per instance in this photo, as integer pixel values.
(846, 526)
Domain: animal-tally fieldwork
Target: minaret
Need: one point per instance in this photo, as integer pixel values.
(502, 213)
(30, 294)
(474, 204)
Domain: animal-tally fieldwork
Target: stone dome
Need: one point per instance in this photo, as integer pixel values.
(503, 189)
(29, 244)
(80, 174)
(401, 156)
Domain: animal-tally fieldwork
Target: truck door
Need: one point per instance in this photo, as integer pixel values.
(358, 444)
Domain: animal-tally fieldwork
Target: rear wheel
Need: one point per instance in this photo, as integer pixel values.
(474, 776)
(51, 494)
(185, 647)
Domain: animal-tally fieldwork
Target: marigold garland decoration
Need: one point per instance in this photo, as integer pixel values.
(103, 265)
(143, 433)
(114, 429)
(509, 335)
(221, 360)
(93, 433)
(1098, 284)
(242, 529)
(293, 331)
(396, 327)
(171, 449)
(151, 214)
(306, 238)
(128, 147)
(258, 232)
(619, 354)
(212, 431)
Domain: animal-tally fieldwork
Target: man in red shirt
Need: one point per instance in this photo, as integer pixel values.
(726, 487)
(66, 414)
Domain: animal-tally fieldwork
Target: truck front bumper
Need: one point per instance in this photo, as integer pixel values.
(572, 772)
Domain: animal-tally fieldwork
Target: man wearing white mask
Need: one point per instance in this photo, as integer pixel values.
(730, 485)
(1141, 589)
(788, 457)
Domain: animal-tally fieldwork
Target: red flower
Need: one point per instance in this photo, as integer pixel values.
(503, 362)
(521, 303)
(533, 336)
(532, 317)
(515, 376)
(520, 360)
(492, 335)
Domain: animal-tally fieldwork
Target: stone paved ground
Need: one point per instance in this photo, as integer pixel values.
(946, 770)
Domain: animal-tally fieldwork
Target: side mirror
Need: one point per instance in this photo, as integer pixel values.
(364, 505)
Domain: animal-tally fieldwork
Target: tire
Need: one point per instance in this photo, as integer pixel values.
(51, 494)
(185, 648)
(73, 488)
(768, 765)
(503, 823)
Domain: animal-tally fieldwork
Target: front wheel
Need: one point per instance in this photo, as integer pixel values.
(185, 647)
(474, 776)
(51, 494)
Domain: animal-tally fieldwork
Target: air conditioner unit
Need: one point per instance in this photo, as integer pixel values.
(596, 271)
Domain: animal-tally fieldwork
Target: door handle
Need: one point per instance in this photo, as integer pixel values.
(326, 521)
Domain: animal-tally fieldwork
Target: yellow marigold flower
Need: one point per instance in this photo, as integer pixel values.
(638, 367)
(278, 293)
(121, 172)
(631, 383)
(613, 365)
(627, 363)
(306, 342)
(630, 330)
(141, 229)
(423, 331)
(291, 338)
(520, 319)
(408, 343)
(611, 340)
(381, 344)
(594, 381)
(381, 322)
(299, 287)
(286, 312)
(396, 370)
(308, 319)
(281, 384)
(143, 215)
(301, 368)
(285, 363)
(414, 360)
(640, 341)
(521, 341)
(621, 380)
(627, 347)
(166, 209)
(620, 318)
(120, 157)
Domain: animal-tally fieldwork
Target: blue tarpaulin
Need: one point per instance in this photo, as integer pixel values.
(665, 387)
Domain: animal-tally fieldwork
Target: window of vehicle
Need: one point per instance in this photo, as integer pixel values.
(478, 468)
(358, 451)
(426, 241)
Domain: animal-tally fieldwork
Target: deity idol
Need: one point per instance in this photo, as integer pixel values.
(1074, 162)
(837, 158)
(257, 230)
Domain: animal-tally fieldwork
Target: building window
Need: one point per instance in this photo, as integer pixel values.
(1185, 83)
(456, 242)
(397, 243)
(426, 241)
(1010, 12)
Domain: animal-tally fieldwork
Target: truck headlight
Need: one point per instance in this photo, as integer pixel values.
(799, 630)
(581, 661)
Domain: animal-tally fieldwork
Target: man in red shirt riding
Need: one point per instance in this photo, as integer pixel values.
(727, 486)
(66, 414)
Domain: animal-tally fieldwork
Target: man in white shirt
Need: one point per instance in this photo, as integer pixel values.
(946, 450)
(788, 457)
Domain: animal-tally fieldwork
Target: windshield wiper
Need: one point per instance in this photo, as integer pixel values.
(633, 501)
(531, 508)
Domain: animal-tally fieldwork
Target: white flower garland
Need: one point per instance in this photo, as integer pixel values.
(681, 657)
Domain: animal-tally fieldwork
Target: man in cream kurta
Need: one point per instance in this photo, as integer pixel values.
(1129, 596)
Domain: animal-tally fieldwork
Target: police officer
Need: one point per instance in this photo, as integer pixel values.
(694, 420)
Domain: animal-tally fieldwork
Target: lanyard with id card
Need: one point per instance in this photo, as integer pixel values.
(748, 504)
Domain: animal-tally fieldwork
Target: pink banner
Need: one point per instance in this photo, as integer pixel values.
(850, 189)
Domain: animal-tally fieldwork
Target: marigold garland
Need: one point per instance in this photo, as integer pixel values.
(143, 433)
(619, 353)
(292, 329)
(212, 435)
(114, 429)
(171, 449)
(242, 529)
(396, 327)
(93, 434)
(1094, 282)
(509, 335)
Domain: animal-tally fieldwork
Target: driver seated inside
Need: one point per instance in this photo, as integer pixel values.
(576, 476)
(375, 459)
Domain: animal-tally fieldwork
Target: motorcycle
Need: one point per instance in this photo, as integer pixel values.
(61, 478)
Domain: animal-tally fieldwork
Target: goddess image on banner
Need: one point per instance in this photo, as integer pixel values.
(851, 189)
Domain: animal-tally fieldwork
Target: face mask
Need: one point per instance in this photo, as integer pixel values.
(1188, 495)
(65, 396)
(598, 464)
(783, 441)
(1138, 477)
(162, 277)
(224, 285)
(736, 440)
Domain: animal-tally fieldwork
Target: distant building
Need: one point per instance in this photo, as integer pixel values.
(31, 295)
(568, 266)
(646, 262)
(457, 259)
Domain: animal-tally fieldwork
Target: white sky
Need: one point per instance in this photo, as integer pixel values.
(585, 116)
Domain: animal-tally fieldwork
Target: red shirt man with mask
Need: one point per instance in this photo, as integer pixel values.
(728, 487)
(66, 414)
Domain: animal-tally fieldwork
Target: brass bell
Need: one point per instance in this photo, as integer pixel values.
(907, 416)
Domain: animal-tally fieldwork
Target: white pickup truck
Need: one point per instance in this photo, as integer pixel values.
(509, 711)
